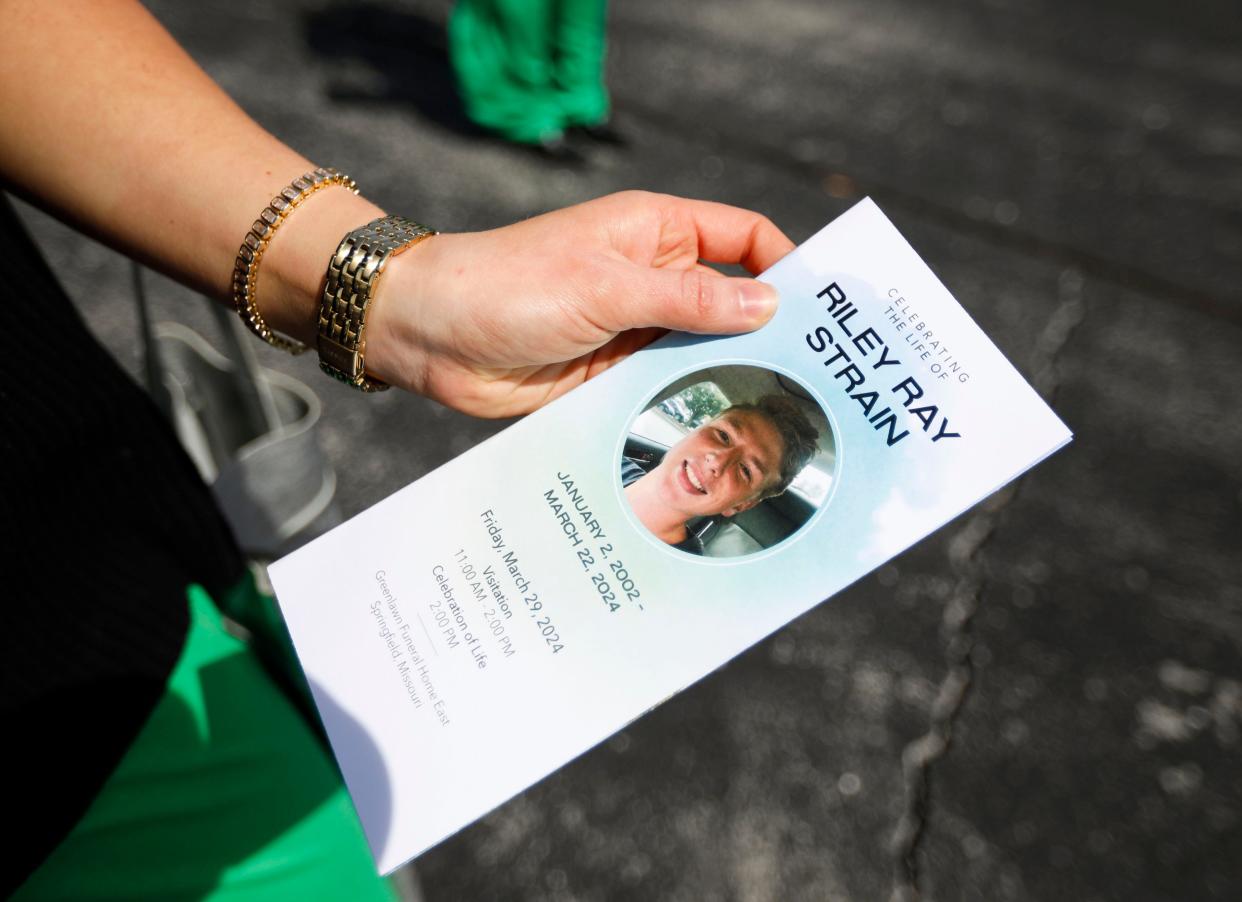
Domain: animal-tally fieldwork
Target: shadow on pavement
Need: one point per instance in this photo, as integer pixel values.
(380, 55)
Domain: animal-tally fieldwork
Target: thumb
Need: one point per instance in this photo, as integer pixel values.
(697, 300)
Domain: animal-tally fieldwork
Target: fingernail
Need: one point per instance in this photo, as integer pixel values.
(758, 300)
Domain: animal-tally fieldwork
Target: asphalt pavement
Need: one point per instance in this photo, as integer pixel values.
(1044, 699)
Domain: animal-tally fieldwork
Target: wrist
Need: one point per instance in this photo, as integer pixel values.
(400, 316)
(291, 278)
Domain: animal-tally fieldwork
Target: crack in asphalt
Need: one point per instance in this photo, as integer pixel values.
(966, 548)
(966, 562)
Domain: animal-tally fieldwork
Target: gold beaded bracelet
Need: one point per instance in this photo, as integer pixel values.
(246, 268)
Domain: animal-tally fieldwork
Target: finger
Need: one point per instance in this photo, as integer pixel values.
(690, 300)
(733, 235)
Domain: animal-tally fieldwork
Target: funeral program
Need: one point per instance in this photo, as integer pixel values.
(486, 624)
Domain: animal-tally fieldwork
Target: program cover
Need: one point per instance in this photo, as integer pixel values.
(481, 627)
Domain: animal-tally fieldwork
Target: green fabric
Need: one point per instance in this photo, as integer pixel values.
(528, 69)
(225, 794)
(269, 638)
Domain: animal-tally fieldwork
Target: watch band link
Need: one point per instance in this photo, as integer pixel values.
(353, 274)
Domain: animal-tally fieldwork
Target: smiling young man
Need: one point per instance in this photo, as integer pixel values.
(748, 453)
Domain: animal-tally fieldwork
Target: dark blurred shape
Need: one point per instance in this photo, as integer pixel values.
(402, 55)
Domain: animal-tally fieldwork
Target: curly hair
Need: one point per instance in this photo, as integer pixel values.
(799, 438)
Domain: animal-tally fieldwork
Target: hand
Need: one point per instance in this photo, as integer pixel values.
(499, 323)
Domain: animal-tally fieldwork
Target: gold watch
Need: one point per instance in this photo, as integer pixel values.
(353, 274)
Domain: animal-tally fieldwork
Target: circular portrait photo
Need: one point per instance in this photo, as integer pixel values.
(728, 461)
